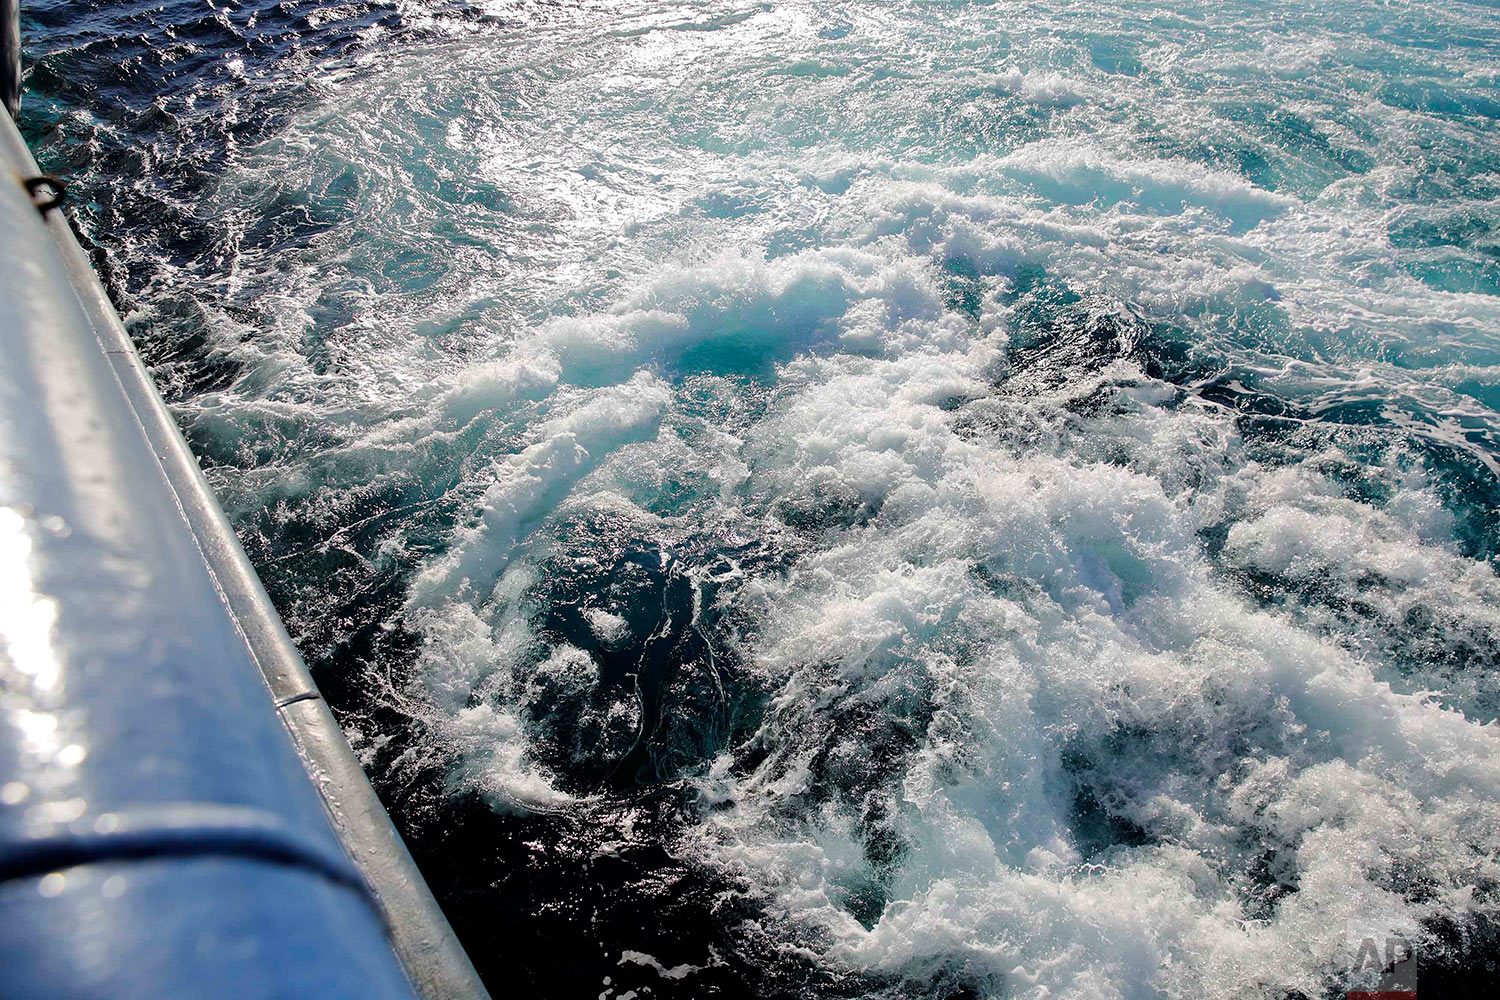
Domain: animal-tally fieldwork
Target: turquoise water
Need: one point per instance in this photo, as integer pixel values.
(901, 499)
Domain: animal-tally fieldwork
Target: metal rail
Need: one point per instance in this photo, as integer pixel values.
(10, 55)
(170, 816)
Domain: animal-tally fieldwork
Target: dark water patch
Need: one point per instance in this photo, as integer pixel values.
(544, 907)
(1061, 339)
(963, 286)
(165, 96)
(827, 506)
(650, 614)
(324, 568)
(849, 753)
(558, 906)
(1461, 229)
(1431, 97)
(1457, 273)
(185, 358)
(1271, 147)
(1471, 490)
(1099, 805)
(1058, 336)
(1465, 961)
(582, 901)
(1264, 876)
(658, 659)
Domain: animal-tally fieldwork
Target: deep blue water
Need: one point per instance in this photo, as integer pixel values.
(909, 499)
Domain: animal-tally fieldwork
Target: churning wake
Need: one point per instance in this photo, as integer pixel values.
(910, 499)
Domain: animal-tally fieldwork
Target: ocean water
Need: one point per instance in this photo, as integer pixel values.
(904, 499)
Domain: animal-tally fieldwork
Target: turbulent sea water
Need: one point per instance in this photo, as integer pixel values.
(901, 499)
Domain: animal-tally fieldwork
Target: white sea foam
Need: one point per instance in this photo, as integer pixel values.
(1022, 605)
(1253, 736)
(528, 484)
(1111, 773)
